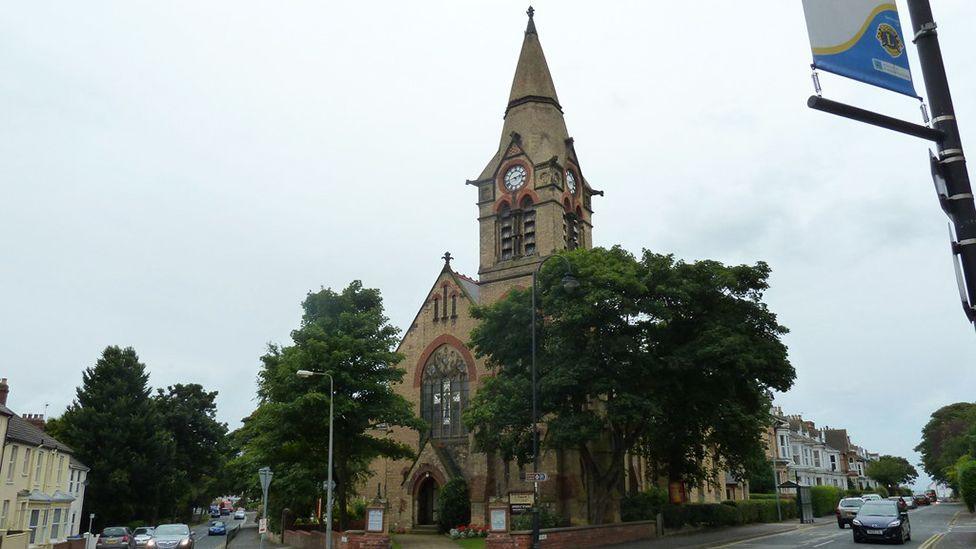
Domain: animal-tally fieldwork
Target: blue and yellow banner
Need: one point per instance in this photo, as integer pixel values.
(860, 39)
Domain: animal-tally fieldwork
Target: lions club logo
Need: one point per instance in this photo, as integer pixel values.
(888, 38)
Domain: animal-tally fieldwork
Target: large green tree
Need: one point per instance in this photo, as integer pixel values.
(891, 471)
(947, 436)
(654, 355)
(347, 335)
(115, 429)
(189, 414)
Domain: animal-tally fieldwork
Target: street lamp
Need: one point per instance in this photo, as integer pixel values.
(570, 284)
(304, 374)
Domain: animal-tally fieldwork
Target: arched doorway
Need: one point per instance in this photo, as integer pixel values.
(426, 501)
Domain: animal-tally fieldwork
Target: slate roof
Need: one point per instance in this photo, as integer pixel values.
(21, 430)
(470, 286)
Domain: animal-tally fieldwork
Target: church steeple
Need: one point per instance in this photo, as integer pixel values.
(533, 200)
(532, 82)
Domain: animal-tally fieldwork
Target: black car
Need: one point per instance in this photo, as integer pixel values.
(881, 521)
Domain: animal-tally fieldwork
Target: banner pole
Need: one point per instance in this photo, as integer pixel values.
(951, 158)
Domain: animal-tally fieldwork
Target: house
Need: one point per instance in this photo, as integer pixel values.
(36, 494)
(853, 459)
(801, 453)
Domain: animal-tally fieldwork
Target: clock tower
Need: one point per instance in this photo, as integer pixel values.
(533, 199)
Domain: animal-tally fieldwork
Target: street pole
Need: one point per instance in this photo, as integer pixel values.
(570, 284)
(779, 511)
(328, 512)
(265, 475)
(91, 519)
(951, 161)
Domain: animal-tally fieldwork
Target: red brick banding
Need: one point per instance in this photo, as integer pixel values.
(445, 339)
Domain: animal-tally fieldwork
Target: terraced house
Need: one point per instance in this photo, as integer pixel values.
(40, 488)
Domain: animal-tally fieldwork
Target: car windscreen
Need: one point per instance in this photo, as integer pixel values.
(113, 532)
(851, 502)
(172, 530)
(141, 531)
(878, 509)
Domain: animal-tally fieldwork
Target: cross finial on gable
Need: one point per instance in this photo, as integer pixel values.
(447, 259)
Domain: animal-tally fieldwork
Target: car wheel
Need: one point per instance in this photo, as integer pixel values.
(840, 525)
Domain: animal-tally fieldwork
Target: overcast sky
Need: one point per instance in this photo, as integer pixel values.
(176, 176)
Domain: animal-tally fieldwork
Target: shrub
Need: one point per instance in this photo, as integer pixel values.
(642, 505)
(453, 505)
(727, 513)
(966, 478)
(825, 499)
(547, 519)
(356, 510)
(853, 493)
(762, 496)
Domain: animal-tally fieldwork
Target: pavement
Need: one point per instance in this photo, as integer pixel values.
(205, 541)
(941, 526)
(249, 538)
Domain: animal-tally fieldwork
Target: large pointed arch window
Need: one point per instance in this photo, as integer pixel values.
(444, 392)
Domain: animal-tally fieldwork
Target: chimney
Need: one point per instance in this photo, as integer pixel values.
(4, 390)
(37, 420)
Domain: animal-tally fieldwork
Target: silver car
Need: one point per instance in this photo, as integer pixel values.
(143, 535)
(173, 536)
(847, 509)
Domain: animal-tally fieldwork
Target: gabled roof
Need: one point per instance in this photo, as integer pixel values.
(20, 430)
(470, 287)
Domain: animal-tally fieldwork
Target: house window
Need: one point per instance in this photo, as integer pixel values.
(816, 458)
(516, 230)
(833, 462)
(26, 468)
(60, 469)
(39, 468)
(56, 524)
(12, 464)
(4, 511)
(45, 514)
(35, 516)
(444, 392)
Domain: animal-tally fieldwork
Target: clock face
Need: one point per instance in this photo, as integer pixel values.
(571, 182)
(515, 178)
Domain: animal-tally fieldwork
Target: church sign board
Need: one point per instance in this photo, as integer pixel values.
(520, 502)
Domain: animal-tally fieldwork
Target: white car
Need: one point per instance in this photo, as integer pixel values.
(239, 515)
(871, 497)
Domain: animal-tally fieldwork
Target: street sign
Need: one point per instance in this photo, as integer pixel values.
(520, 502)
(536, 477)
(263, 526)
(265, 475)
(328, 485)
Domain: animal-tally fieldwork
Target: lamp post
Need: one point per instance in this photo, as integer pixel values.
(569, 283)
(328, 499)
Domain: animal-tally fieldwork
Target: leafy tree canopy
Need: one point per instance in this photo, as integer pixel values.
(669, 358)
(947, 436)
(891, 471)
(347, 335)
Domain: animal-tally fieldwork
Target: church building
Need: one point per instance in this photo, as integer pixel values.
(533, 201)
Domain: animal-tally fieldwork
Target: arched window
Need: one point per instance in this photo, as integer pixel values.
(444, 392)
(436, 309)
(571, 231)
(516, 230)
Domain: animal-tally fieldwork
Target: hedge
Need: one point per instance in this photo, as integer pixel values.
(966, 478)
(643, 505)
(825, 499)
(727, 513)
(762, 496)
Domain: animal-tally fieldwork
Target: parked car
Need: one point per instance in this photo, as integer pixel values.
(240, 515)
(847, 509)
(116, 537)
(881, 521)
(143, 535)
(921, 499)
(214, 511)
(910, 502)
(171, 536)
(217, 528)
(871, 497)
(898, 501)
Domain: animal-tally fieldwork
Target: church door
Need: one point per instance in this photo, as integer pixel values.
(426, 498)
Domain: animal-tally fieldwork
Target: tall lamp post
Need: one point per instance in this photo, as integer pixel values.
(328, 499)
(569, 283)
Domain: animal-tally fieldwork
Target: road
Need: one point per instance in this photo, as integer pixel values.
(204, 541)
(942, 526)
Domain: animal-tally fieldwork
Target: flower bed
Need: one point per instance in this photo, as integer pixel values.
(468, 531)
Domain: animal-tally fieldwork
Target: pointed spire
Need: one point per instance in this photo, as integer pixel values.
(532, 82)
(531, 26)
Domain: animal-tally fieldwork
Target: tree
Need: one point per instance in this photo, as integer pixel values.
(114, 429)
(188, 413)
(759, 472)
(946, 437)
(891, 471)
(345, 334)
(659, 356)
